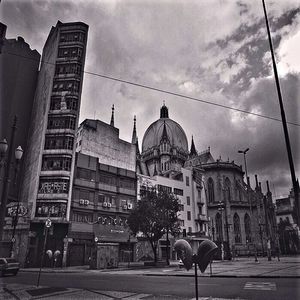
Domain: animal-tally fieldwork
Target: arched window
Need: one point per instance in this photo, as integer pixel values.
(237, 228)
(219, 228)
(211, 190)
(227, 190)
(247, 223)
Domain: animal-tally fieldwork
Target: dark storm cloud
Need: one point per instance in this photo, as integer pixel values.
(212, 50)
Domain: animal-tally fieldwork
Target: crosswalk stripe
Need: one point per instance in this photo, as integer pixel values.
(262, 286)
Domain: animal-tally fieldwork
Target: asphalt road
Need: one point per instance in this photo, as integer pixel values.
(183, 287)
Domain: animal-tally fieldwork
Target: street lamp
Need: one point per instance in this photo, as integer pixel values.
(6, 178)
(250, 201)
(15, 218)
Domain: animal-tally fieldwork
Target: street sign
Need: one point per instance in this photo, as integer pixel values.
(48, 223)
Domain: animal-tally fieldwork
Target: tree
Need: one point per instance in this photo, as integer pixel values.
(154, 215)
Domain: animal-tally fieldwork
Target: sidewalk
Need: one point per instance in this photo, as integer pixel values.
(287, 267)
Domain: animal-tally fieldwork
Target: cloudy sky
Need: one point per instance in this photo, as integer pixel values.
(212, 50)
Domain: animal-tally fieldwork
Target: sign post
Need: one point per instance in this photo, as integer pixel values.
(47, 226)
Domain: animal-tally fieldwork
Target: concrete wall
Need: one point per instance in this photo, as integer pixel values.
(96, 138)
(18, 77)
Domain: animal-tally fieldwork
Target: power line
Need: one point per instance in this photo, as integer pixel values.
(165, 91)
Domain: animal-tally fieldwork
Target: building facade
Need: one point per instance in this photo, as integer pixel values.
(18, 77)
(288, 231)
(52, 137)
(103, 194)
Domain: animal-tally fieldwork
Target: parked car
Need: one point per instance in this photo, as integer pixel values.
(9, 266)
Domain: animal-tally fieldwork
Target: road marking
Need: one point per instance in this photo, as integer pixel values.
(261, 286)
(205, 284)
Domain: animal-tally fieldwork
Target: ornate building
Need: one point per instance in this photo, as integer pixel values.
(225, 208)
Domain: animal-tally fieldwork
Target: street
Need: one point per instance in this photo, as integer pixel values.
(173, 286)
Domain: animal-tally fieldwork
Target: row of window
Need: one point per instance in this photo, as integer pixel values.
(51, 163)
(70, 53)
(105, 178)
(236, 228)
(101, 198)
(72, 37)
(73, 68)
(61, 103)
(55, 210)
(59, 142)
(61, 122)
(211, 191)
(66, 85)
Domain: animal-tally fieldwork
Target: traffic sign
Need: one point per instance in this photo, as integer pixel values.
(96, 239)
(48, 223)
(13, 239)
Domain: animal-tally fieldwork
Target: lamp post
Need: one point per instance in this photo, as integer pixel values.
(15, 219)
(6, 179)
(250, 202)
(222, 206)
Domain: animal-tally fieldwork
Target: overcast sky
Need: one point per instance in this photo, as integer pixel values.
(213, 50)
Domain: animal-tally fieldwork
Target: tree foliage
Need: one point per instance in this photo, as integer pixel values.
(154, 214)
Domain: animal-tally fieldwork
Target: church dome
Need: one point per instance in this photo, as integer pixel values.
(155, 131)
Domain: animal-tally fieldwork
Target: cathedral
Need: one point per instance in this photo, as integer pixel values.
(217, 203)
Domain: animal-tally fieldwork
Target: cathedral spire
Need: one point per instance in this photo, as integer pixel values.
(164, 113)
(193, 151)
(134, 137)
(112, 120)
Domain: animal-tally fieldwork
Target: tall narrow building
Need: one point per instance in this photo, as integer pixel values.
(49, 168)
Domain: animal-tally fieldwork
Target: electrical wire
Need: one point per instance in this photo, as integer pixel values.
(165, 92)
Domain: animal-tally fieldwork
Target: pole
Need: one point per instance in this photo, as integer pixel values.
(15, 219)
(196, 281)
(284, 124)
(167, 248)
(252, 221)
(227, 232)
(43, 254)
(6, 179)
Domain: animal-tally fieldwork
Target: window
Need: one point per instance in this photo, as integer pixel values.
(211, 192)
(57, 122)
(219, 228)
(188, 200)
(187, 181)
(178, 192)
(59, 142)
(237, 228)
(181, 223)
(189, 215)
(227, 190)
(189, 229)
(106, 179)
(127, 183)
(51, 163)
(85, 174)
(165, 188)
(55, 210)
(181, 207)
(247, 223)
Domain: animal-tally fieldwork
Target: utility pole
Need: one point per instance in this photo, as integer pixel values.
(284, 124)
